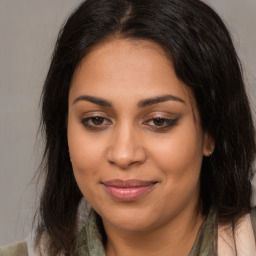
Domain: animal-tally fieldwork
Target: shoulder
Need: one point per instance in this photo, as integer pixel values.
(19, 249)
(241, 239)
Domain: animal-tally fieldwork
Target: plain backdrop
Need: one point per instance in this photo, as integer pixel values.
(28, 30)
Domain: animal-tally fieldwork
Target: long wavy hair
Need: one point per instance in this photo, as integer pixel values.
(204, 58)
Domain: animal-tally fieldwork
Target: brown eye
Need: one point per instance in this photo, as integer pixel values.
(97, 120)
(159, 121)
(161, 124)
(96, 123)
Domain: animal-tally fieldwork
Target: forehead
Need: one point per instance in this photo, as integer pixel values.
(128, 68)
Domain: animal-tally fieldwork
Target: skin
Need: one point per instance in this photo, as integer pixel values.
(129, 142)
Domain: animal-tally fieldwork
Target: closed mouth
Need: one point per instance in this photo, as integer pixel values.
(128, 190)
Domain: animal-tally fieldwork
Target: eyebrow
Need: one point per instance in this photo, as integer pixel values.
(159, 99)
(141, 104)
(92, 99)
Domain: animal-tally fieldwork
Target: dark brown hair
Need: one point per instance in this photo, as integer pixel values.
(204, 58)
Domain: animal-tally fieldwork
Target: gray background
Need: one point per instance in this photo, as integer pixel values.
(28, 29)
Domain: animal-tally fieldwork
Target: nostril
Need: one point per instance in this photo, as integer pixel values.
(134, 163)
(111, 162)
(125, 151)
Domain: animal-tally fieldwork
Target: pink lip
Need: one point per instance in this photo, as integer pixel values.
(128, 190)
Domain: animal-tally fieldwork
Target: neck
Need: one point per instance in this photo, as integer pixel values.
(175, 237)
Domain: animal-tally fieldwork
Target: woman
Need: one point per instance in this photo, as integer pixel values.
(146, 117)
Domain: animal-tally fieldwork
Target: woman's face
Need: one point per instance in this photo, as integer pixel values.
(134, 135)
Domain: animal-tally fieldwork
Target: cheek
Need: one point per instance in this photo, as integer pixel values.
(180, 154)
(85, 164)
(85, 155)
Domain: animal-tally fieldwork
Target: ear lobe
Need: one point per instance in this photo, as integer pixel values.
(208, 145)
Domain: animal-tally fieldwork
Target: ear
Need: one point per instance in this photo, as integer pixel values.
(208, 145)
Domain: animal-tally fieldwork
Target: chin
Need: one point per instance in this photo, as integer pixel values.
(129, 219)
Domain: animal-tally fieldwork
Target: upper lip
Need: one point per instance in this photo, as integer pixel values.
(128, 183)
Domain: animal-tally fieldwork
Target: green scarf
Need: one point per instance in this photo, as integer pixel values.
(90, 241)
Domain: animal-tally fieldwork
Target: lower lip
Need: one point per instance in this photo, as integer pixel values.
(128, 193)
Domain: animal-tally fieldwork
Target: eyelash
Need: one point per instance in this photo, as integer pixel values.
(167, 123)
(86, 122)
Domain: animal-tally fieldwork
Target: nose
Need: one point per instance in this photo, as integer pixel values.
(125, 149)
